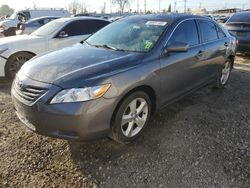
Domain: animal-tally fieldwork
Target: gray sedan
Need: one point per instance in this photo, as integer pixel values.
(110, 84)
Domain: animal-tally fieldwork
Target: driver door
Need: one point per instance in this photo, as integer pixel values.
(182, 71)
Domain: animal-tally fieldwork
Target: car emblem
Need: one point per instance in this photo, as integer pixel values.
(20, 84)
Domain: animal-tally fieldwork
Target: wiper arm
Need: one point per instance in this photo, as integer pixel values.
(109, 47)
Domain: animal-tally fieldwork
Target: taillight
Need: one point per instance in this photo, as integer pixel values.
(237, 42)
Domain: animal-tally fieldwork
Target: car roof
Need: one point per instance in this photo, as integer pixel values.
(81, 18)
(243, 12)
(42, 17)
(169, 17)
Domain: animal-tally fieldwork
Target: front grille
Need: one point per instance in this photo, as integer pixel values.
(28, 92)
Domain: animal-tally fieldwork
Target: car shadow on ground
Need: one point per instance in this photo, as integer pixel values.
(98, 158)
(184, 139)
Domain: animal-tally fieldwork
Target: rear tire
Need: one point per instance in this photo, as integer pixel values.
(131, 117)
(15, 62)
(10, 32)
(224, 74)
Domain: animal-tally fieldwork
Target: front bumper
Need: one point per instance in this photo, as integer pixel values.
(73, 121)
(2, 66)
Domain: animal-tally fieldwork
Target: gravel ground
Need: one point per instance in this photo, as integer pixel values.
(201, 141)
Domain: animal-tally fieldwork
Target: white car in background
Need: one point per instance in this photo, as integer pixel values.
(60, 33)
(9, 25)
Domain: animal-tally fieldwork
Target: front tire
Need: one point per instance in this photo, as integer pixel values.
(131, 117)
(10, 32)
(224, 74)
(15, 62)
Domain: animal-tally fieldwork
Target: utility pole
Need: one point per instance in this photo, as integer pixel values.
(111, 2)
(104, 8)
(175, 6)
(200, 5)
(185, 6)
(159, 6)
(138, 6)
(145, 6)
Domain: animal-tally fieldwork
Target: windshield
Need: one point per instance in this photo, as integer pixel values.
(49, 28)
(129, 35)
(242, 17)
(13, 16)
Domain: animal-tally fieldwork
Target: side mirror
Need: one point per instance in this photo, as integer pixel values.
(63, 34)
(177, 47)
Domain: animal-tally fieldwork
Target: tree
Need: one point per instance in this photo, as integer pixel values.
(76, 7)
(170, 8)
(121, 4)
(6, 10)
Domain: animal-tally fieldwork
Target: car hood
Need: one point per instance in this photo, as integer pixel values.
(5, 21)
(23, 39)
(79, 64)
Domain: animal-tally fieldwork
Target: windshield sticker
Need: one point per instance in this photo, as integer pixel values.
(136, 27)
(148, 45)
(157, 23)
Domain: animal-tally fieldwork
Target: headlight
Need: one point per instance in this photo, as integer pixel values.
(80, 94)
(2, 28)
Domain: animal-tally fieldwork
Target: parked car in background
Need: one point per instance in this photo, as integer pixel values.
(33, 24)
(9, 26)
(112, 83)
(16, 50)
(239, 26)
(223, 19)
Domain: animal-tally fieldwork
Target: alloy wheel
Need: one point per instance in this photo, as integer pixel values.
(16, 64)
(225, 73)
(134, 117)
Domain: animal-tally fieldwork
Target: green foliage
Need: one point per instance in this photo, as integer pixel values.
(170, 8)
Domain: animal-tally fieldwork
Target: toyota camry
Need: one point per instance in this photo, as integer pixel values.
(110, 84)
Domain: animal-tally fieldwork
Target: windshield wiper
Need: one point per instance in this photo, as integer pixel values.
(108, 47)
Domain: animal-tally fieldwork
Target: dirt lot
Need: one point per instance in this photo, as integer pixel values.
(201, 141)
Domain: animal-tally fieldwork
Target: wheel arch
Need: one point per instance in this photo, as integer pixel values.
(145, 88)
(5, 66)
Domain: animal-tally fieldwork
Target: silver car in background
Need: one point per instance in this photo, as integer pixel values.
(32, 25)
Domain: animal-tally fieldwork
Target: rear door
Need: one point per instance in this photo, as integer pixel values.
(182, 71)
(215, 43)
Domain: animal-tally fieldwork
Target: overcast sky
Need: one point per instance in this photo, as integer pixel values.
(95, 5)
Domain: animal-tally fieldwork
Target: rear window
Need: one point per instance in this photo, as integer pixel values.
(241, 17)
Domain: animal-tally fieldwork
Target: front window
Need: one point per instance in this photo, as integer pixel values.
(13, 16)
(49, 28)
(129, 35)
(186, 33)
